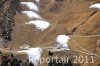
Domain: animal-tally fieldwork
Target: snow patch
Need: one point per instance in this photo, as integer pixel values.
(31, 6)
(39, 24)
(62, 42)
(32, 14)
(34, 55)
(37, 1)
(97, 5)
(62, 39)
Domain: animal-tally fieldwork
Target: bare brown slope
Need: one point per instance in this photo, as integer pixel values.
(66, 17)
(77, 19)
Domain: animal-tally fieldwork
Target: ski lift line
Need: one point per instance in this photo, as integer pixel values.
(76, 51)
(84, 48)
(48, 48)
(85, 52)
(81, 52)
(83, 35)
(52, 27)
(72, 36)
(46, 44)
(80, 46)
(45, 48)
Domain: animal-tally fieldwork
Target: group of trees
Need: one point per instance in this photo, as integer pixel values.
(8, 10)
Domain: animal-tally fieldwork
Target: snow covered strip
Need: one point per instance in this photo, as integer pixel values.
(40, 24)
(97, 5)
(37, 1)
(33, 54)
(62, 39)
(31, 6)
(32, 14)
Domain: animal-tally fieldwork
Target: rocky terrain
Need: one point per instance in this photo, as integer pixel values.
(70, 17)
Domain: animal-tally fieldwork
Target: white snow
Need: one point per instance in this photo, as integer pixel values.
(39, 24)
(97, 5)
(37, 1)
(31, 6)
(32, 14)
(34, 55)
(62, 42)
(62, 39)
